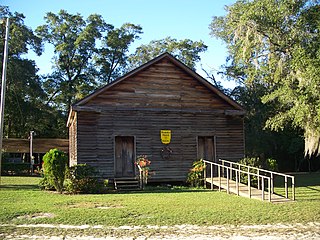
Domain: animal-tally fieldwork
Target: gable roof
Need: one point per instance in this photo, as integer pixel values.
(153, 61)
(148, 64)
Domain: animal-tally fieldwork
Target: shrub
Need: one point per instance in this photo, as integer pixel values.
(195, 176)
(45, 184)
(252, 162)
(19, 169)
(80, 179)
(269, 164)
(54, 168)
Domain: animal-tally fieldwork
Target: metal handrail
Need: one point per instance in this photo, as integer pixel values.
(272, 174)
(237, 172)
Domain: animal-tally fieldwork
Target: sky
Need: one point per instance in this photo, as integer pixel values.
(179, 19)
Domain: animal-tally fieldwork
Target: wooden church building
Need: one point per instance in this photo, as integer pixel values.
(163, 110)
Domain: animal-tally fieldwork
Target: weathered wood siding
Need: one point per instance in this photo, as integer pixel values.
(163, 96)
(73, 140)
(97, 148)
(161, 86)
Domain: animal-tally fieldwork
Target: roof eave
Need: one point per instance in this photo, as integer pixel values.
(70, 116)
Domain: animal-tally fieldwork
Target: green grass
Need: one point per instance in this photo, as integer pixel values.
(21, 199)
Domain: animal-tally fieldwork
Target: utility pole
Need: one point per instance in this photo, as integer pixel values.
(3, 87)
(31, 152)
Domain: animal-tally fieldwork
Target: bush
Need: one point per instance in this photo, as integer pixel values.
(54, 168)
(252, 162)
(80, 179)
(269, 164)
(45, 184)
(195, 176)
(15, 169)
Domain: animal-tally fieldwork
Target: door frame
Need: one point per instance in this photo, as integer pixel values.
(114, 152)
(214, 146)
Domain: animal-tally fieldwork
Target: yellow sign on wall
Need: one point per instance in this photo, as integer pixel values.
(165, 136)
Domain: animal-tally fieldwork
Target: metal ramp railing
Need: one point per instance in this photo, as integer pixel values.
(229, 175)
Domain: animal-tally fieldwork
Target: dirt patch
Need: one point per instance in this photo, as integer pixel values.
(92, 205)
(37, 216)
(309, 231)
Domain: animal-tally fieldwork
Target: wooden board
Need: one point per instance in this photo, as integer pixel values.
(165, 87)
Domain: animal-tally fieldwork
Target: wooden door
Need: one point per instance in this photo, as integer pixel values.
(206, 149)
(124, 156)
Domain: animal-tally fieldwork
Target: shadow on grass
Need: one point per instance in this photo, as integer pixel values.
(308, 179)
(20, 187)
(301, 180)
(158, 190)
(313, 189)
(308, 186)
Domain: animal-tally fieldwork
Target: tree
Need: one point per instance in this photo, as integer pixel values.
(112, 58)
(185, 50)
(211, 78)
(24, 107)
(88, 53)
(22, 38)
(276, 44)
(284, 146)
(74, 40)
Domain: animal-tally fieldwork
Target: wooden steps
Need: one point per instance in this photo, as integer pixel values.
(126, 184)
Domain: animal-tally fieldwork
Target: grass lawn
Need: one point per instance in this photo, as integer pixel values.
(23, 203)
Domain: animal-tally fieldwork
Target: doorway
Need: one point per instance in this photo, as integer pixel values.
(207, 148)
(124, 156)
(207, 151)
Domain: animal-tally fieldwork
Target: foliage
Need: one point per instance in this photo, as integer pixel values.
(46, 184)
(112, 58)
(252, 162)
(271, 164)
(276, 44)
(22, 39)
(195, 175)
(25, 99)
(285, 146)
(187, 51)
(267, 164)
(18, 169)
(80, 179)
(79, 61)
(74, 40)
(54, 168)
(143, 162)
